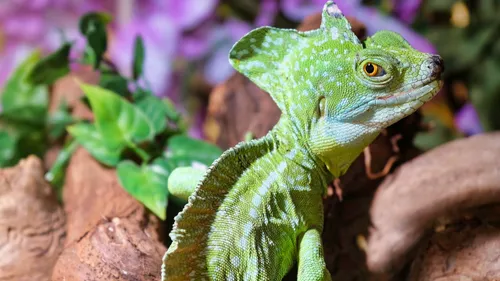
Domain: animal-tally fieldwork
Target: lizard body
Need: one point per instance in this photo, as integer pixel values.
(258, 209)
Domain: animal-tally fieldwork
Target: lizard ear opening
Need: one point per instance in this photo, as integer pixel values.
(259, 55)
(386, 38)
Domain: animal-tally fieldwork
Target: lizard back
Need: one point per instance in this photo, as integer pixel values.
(186, 256)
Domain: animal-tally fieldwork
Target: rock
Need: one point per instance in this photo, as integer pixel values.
(467, 252)
(31, 223)
(119, 249)
(111, 236)
(436, 186)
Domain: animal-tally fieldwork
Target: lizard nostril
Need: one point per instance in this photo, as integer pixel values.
(437, 65)
(438, 62)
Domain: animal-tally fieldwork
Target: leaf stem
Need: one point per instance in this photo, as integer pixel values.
(139, 151)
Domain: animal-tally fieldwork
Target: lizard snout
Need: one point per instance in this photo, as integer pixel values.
(437, 65)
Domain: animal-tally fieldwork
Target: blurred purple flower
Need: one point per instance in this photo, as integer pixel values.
(160, 35)
(297, 10)
(217, 68)
(467, 120)
(406, 10)
(371, 17)
(29, 24)
(223, 36)
(189, 13)
(163, 26)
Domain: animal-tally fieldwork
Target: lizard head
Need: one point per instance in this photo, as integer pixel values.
(339, 93)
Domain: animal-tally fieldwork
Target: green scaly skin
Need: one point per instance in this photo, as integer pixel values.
(258, 209)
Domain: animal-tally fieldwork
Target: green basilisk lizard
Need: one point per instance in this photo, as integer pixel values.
(258, 209)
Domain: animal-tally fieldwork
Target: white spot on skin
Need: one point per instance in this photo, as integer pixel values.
(243, 243)
(235, 261)
(247, 228)
(335, 33)
(256, 200)
(253, 213)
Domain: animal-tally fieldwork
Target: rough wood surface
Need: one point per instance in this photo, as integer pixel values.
(31, 223)
(434, 187)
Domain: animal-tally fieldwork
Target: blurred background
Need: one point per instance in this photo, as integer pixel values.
(187, 43)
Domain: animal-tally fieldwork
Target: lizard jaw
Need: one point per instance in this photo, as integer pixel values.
(426, 88)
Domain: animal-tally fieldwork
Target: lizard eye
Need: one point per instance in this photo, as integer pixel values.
(372, 69)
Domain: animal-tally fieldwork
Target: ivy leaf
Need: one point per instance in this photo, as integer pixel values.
(170, 109)
(59, 120)
(119, 122)
(139, 55)
(51, 68)
(186, 151)
(21, 100)
(33, 116)
(153, 108)
(93, 27)
(87, 20)
(114, 82)
(7, 149)
(87, 135)
(147, 184)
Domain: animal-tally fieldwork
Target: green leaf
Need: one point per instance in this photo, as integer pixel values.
(186, 151)
(7, 149)
(29, 115)
(170, 109)
(93, 27)
(59, 120)
(148, 184)
(51, 68)
(114, 82)
(56, 173)
(139, 55)
(19, 95)
(86, 22)
(119, 122)
(87, 135)
(153, 108)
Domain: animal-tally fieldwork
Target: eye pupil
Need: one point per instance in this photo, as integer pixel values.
(369, 68)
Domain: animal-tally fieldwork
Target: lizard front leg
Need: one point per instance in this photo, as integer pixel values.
(311, 260)
(183, 181)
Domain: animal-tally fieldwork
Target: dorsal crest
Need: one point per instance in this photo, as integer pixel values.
(262, 54)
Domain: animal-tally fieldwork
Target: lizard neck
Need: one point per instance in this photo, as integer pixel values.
(340, 143)
(289, 141)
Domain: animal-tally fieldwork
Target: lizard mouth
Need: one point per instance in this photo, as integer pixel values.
(423, 89)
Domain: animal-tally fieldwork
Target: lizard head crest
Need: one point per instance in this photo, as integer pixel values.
(341, 91)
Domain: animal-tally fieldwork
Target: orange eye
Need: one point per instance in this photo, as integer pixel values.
(371, 69)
